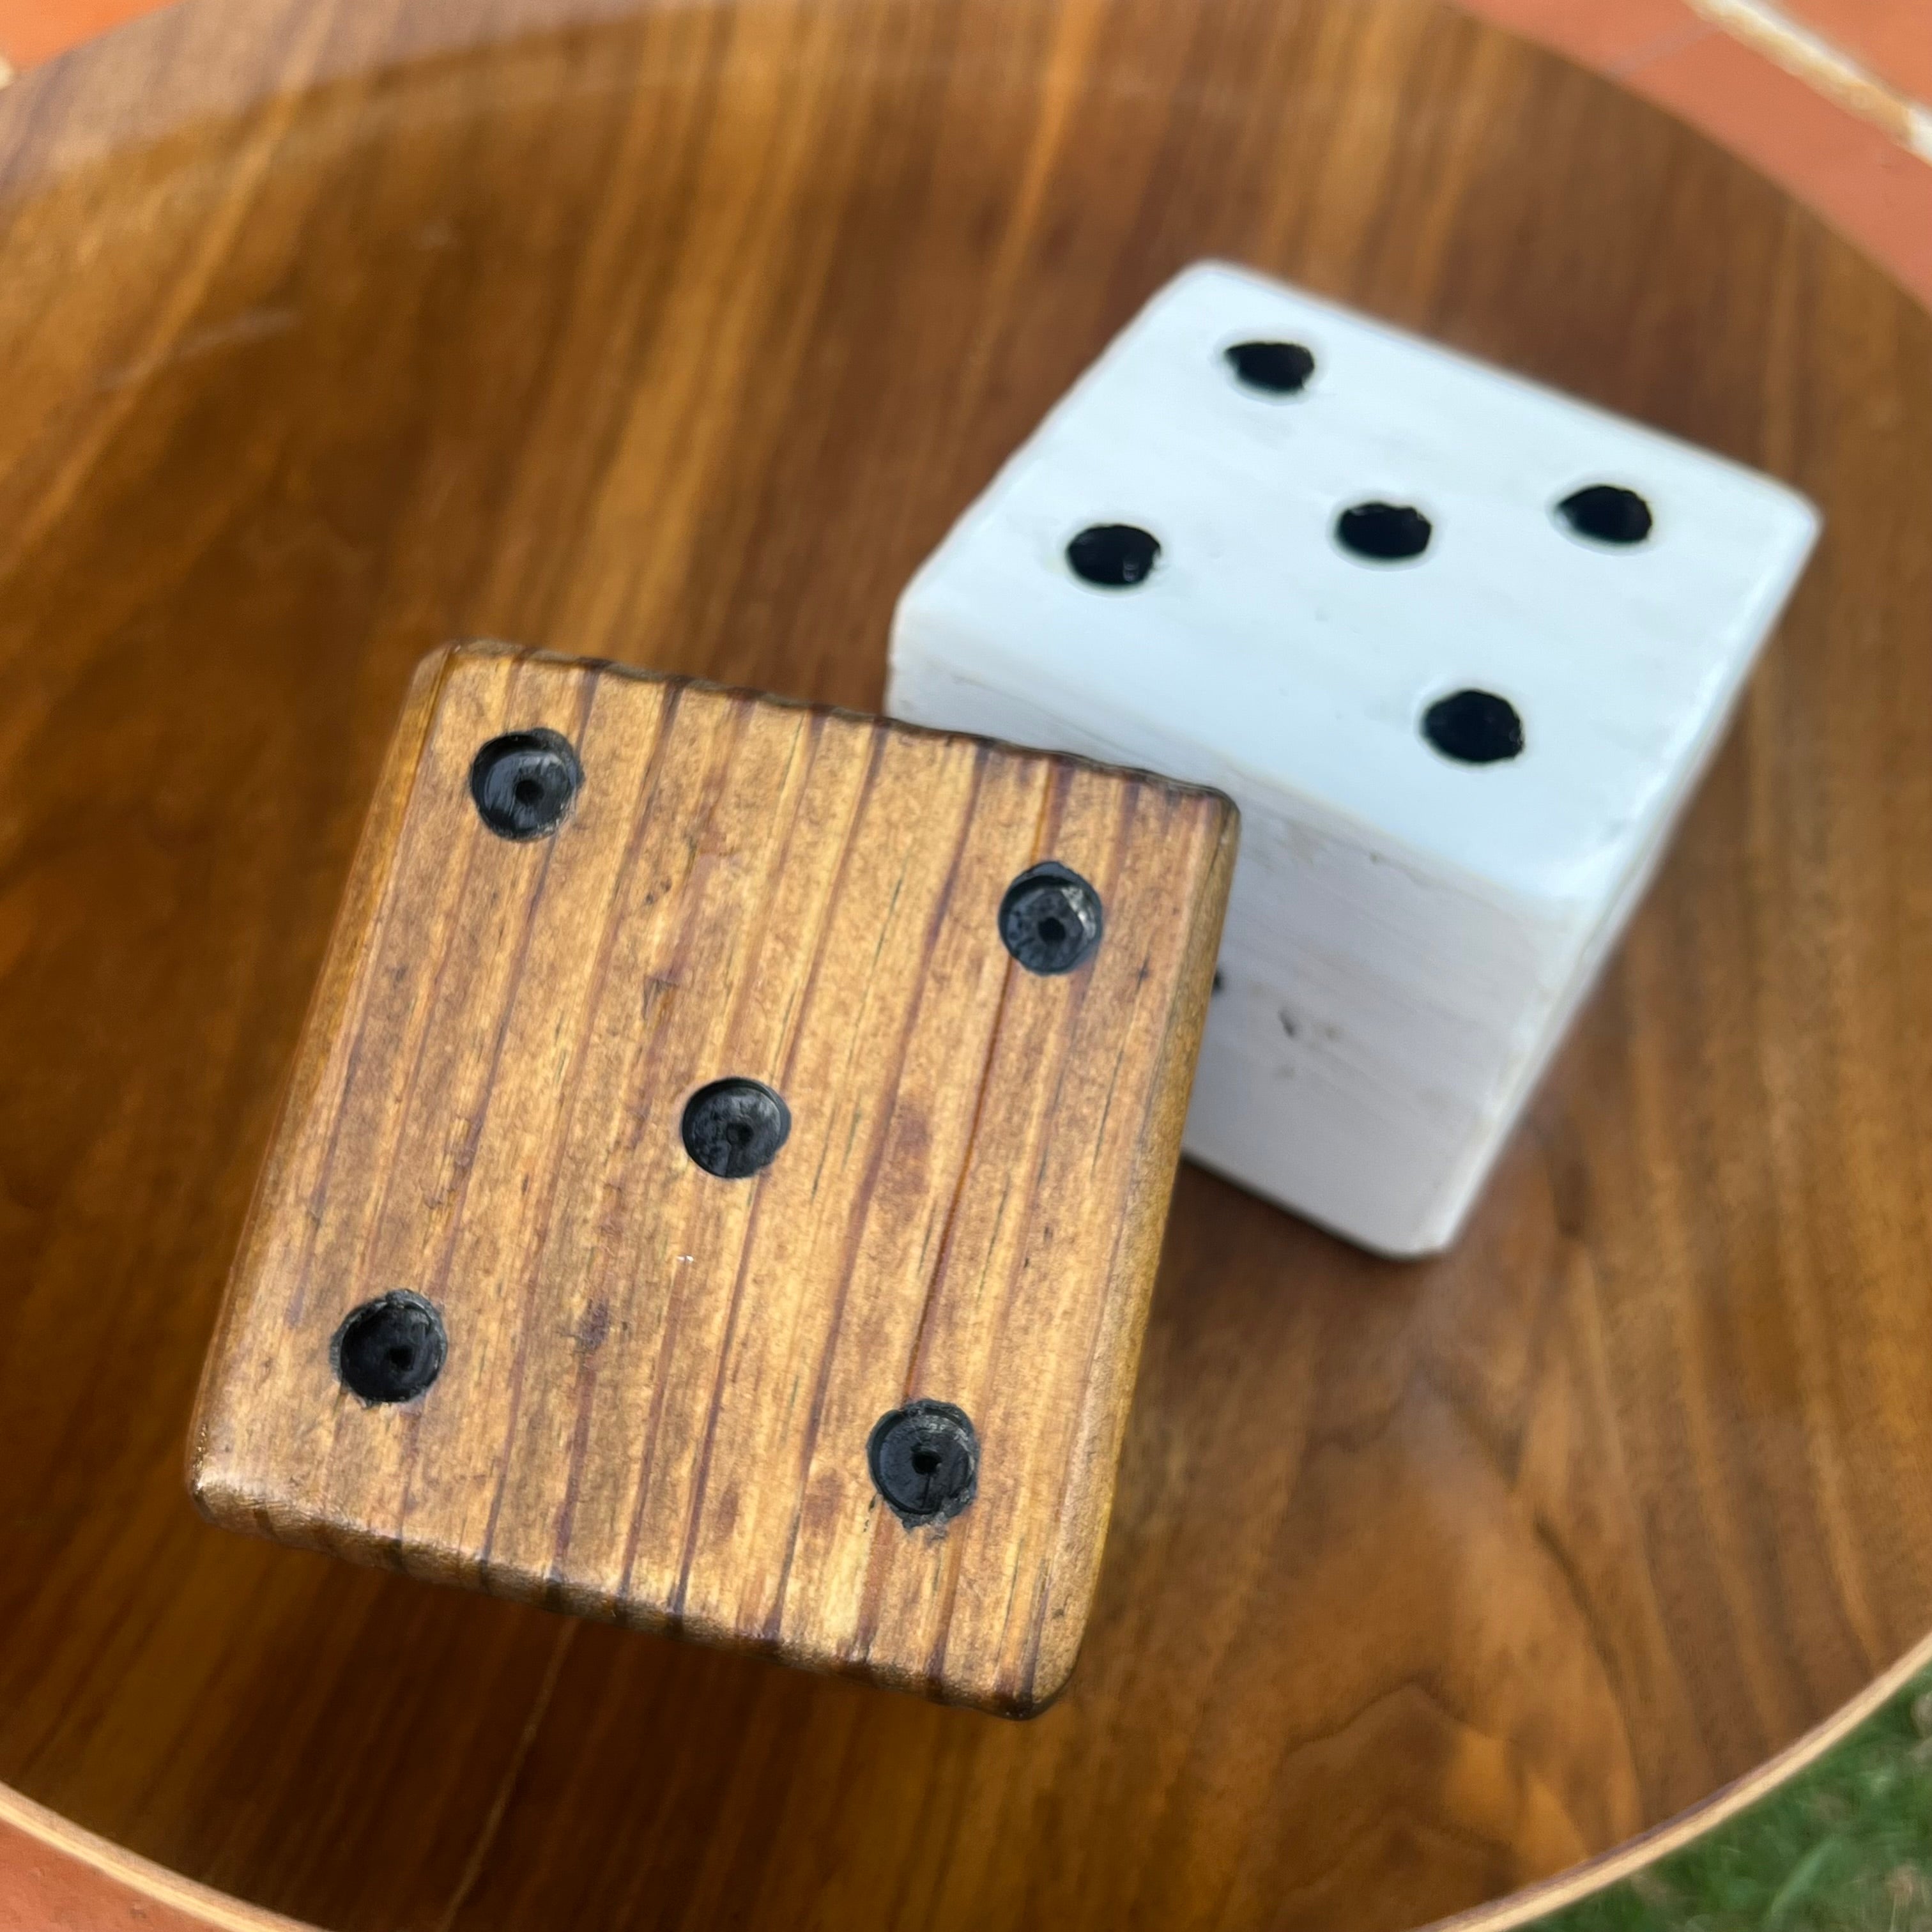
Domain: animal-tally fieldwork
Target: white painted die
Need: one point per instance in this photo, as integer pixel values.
(1409, 932)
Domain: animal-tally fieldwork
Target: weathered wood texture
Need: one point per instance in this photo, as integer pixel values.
(660, 1384)
(699, 327)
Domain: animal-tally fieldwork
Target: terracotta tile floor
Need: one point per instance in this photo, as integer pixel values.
(1893, 37)
(32, 31)
(1836, 138)
(1850, 167)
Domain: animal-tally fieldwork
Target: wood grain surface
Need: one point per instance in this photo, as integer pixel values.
(55, 1877)
(660, 1384)
(699, 325)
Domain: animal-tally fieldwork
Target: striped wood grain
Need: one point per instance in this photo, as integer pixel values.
(661, 1383)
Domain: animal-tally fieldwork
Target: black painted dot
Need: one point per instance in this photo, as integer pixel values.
(1275, 368)
(1385, 533)
(390, 1349)
(1607, 513)
(734, 1128)
(1050, 919)
(1474, 728)
(1115, 556)
(924, 1461)
(525, 782)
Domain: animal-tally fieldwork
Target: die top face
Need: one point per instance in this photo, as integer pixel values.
(1238, 422)
(687, 1210)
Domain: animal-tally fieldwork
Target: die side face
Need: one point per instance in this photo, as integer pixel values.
(1459, 717)
(1373, 1022)
(689, 1210)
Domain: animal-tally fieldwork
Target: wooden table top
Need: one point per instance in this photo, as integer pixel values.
(677, 334)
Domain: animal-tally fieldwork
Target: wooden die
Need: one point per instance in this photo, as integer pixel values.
(723, 1172)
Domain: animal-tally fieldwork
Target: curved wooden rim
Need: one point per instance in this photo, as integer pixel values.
(1649, 1848)
(53, 1870)
(92, 1881)
(1785, 97)
(98, 1877)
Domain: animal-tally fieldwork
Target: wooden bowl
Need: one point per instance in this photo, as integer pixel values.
(677, 333)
